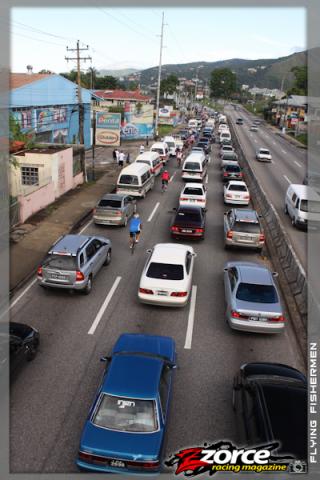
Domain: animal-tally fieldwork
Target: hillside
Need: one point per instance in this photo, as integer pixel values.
(269, 76)
(117, 73)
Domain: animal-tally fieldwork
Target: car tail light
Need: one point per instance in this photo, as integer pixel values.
(90, 458)
(145, 465)
(146, 291)
(261, 237)
(174, 229)
(240, 174)
(94, 211)
(235, 314)
(228, 195)
(246, 197)
(118, 213)
(225, 174)
(183, 199)
(140, 190)
(200, 201)
(199, 230)
(277, 319)
(79, 276)
(39, 272)
(229, 234)
(179, 294)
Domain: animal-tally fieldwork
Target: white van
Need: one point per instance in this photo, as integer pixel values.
(302, 204)
(153, 160)
(135, 180)
(224, 135)
(163, 150)
(193, 123)
(170, 141)
(194, 167)
(210, 122)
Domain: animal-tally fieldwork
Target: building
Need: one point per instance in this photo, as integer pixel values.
(117, 98)
(267, 92)
(47, 105)
(291, 112)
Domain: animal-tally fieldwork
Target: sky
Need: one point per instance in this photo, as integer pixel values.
(130, 37)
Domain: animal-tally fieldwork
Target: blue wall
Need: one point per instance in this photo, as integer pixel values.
(50, 105)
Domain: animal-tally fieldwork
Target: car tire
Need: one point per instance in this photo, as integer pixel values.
(108, 258)
(143, 195)
(286, 209)
(88, 287)
(32, 351)
(293, 221)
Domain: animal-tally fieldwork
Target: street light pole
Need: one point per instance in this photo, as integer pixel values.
(159, 77)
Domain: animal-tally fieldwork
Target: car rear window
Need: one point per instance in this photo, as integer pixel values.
(310, 206)
(109, 203)
(158, 150)
(251, 292)
(126, 414)
(129, 180)
(186, 216)
(144, 161)
(192, 166)
(246, 227)
(165, 271)
(192, 191)
(170, 144)
(229, 155)
(60, 262)
(237, 188)
(232, 168)
(265, 152)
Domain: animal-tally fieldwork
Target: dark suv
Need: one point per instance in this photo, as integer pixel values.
(189, 221)
(239, 121)
(73, 261)
(271, 403)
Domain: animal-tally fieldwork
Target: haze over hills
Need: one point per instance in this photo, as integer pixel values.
(117, 73)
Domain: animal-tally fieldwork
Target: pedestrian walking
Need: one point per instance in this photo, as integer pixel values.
(141, 149)
(117, 155)
(147, 141)
(122, 158)
(128, 158)
(114, 155)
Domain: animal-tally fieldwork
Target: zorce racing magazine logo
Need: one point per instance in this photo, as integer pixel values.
(226, 457)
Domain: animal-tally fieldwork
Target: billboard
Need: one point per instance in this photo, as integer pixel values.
(108, 128)
(45, 117)
(138, 121)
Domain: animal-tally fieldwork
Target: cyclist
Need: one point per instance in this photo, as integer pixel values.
(135, 227)
(165, 177)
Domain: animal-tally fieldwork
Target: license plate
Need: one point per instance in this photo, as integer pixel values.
(186, 230)
(237, 196)
(191, 200)
(117, 463)
(258, 319)
(55, 276)
(162, 293)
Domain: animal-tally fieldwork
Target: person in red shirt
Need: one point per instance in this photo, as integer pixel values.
(165, 177)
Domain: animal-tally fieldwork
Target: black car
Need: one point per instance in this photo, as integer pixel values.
(239, 121)
(231, 172)
(188, 221)
(210, 135)
(183, 134)
(205, 145)
(271, 403)
(23, 343)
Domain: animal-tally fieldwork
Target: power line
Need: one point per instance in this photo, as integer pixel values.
(37, 39)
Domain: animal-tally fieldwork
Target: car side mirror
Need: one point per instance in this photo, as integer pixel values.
(149, 250)
(174, 209)
(194, 255)
(260, 216)
(275, 274)
(226, 269)
(105, 359)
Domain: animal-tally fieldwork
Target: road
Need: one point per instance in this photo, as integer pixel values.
(51, 396)
(289, 165)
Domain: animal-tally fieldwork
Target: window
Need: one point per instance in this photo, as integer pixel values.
(257, 293)
(90, 251)
(81, 260)
(232, 278)
(129, 180)
(164, 391)
(30, 175)
(97, 244)
(109, 203)
(60, 262)
(294, 198)
(165, 271)
(145, 177)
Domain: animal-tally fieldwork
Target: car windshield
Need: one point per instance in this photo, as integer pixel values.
(310, 206)
(192, 191)
(265, 152)
(144, 161)
(129, 180)
(229, 156)
(170, 144)
(158, 150)
(104, 202)
(237, 188)
(60, 262)
(126, 414)
(204, 140)
(246, 227)
(165, 271)
(191, 166)
(232, 168)
(250, 292)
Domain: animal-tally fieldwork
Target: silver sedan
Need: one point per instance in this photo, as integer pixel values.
(252, 299)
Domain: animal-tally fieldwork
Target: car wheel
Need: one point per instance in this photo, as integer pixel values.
(293, 221)
(143, 195)
(88, 287)
(31, 351)
(108, 258)
(286, 209)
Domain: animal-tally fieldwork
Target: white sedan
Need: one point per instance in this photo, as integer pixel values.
(236, 193)
(193, 194)
(264, 155)
(166, 279)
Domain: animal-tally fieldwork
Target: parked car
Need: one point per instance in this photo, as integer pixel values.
(242, 228)
(253, 128)
(236, 193)
(188, 221)
(73, 261)
(252, 299)
(226, 149)
(166, 279)
(266, 398)
(114, 209)
(125, 428)
(228, 157)
(263, 155)
(193, 194)
(231, 172)
(23, 341)
(239, 121)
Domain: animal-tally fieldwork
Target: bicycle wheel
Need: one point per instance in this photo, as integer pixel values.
(133, 244)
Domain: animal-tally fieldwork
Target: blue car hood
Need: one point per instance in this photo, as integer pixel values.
(127, 446)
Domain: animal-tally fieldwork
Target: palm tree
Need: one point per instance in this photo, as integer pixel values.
(93, 75)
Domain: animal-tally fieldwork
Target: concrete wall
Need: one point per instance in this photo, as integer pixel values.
(35, 201)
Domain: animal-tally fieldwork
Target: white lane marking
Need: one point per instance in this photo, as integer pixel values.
(209, 160)
(22, 294)
(104, 306)
(191, 317)
(172, 176)
(297, 163)
(85, 227)
(283, 150)
(288, 179)
(153, 212)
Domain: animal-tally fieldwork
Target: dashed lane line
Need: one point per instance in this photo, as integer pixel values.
(191, 317)
(104, 306)
(153, 212)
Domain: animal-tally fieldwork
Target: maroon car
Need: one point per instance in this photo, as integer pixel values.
(189, 221)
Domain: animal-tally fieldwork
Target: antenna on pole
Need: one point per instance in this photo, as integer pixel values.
(159, 77)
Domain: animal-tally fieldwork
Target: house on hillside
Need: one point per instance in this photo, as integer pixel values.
(291, 112)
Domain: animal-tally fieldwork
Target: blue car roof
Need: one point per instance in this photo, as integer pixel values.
(136, 342)
(134, 376)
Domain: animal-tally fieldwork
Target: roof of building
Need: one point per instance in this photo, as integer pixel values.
(18, 80)
(120, 95)
(294, 100)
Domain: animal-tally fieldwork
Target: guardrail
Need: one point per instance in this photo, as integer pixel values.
(292, 276)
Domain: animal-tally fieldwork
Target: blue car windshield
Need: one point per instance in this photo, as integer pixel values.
(250, 292)
(126, 414)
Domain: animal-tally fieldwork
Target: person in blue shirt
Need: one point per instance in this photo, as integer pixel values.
(135, 227)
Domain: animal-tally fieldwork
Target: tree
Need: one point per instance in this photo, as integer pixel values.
(169, 84)
(223, 83)
(91, 77)
(300, 86)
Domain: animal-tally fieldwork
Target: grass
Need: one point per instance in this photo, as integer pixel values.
(302, 138)
(165, 130)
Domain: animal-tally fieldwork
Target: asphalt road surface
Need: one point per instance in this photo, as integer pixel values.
(51, 396)
(289, 165)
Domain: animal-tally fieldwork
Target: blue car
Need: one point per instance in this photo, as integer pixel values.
(125, 428)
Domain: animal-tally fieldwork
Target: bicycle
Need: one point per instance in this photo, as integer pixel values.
(133, 242)
(164, 186)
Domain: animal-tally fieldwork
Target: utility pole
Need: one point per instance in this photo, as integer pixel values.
(159, 76)
(79, 95)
